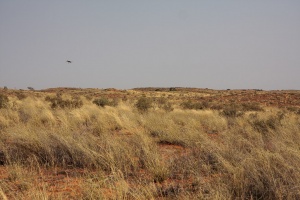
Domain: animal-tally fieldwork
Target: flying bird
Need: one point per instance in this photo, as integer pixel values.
(68, 61)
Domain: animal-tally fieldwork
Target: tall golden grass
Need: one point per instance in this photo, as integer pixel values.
(127, 154)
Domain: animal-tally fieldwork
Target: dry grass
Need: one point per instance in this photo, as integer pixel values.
(237, 151)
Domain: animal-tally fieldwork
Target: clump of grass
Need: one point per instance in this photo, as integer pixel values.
(102, 102)
(3, 101)
(191, 105)
(2, 194)
(266, 177)
(167, 107)
(264, 124)
(293, 109)
(21, 95)
(160, 174)
(56, 150)
(232, 110)
(143, 104)
(251, 107)
(59, 102)
(164, 104)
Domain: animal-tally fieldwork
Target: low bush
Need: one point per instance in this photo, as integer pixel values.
(20, 95)
(196, 106)
(251, 107)
(102, 102)
(295, 110)
(164, 104)
(143, 104)
(59, 102)
(167, 107)
(216, 106)
(3, 101)
(260, 126)
(264, 125)
(232, 111)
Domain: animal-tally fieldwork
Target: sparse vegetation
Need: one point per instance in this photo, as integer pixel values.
(242, 150)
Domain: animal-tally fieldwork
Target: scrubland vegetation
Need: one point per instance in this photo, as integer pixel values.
(149, 144)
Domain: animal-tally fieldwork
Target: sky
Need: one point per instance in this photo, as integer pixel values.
(121, 44)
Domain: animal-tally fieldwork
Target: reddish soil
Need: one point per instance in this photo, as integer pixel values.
(169, 151)
(67, 183)
(57, 183)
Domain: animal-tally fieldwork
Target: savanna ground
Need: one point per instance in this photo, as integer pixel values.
(149, 143)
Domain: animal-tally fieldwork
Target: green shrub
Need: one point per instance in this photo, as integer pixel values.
(264, 125)
(260, 126)
(251, 107)
(102, 102)
(114, 102)
(197, 106)
(143, 104)
(3, 101)
(187, 105)
(294, 110)
(216, 106)
(232, 111)
(20, 95)
(59, 102)
(167, 107)
(160, 174)
(164, 104)
(88, 97)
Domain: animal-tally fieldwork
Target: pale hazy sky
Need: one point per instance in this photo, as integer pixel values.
(124, 44)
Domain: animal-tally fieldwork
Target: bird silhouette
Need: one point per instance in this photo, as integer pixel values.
(68, 61)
